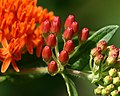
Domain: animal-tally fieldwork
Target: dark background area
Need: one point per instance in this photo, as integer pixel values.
(93, 14)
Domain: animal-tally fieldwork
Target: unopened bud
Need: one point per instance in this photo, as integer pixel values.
(116, 80)
(68, 33)
(105, 92)
(69, 46)
(98, 90)
(110, 87)
(102, 45)
(119, 88)
(46, 26)
(107, 80)
(95, 51)
(111, 59)
(63, 57)
(55, 25)
(83, 36)
(51, 40)
(114, 51)
(46, 53)
(98, 59)
(118, 74)
(115, 93)
(119, 54)
(52, 67)
(111, 47)
(113, 72)
(70, 19)
(74, 26)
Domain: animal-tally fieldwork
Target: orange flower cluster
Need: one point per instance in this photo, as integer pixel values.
(18, 30)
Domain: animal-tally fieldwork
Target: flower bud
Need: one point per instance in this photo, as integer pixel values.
(110, 87)
(70, 19)
(83, 36)
(111, 59)
(95, 51)
(105, 92)
(102, 45)
(46, 53)
(119, 88)
(68, 33)
(46, 26)
(114, 51)
(107, 80)
(51, 40)
(63, 57)
(111, 47)
(119, 54)
(116, 80)
(115, 93)
(69, 46)
(74, 26)
(113, 72)
(118, 73)
(98, 59)
(55, 25)
(52, 67)
(98, 90)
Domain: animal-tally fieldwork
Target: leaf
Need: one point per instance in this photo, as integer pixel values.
(81, 59)
(71, 89)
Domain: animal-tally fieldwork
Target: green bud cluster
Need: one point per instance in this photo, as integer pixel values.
(110, 85)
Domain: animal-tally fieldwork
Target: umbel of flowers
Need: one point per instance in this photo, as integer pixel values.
(106, 64)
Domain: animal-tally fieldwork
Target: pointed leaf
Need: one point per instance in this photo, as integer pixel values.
(81, 59)
(71, 89)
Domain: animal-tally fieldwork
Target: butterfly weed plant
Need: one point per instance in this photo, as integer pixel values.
(29, 29)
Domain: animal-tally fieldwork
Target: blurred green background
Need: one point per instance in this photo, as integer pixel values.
(93, 14)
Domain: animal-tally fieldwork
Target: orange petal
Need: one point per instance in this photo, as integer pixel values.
(38, 50)
(6, 64)
(15, 66)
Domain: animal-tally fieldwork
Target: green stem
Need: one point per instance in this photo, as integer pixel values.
(34, 71)
(90, 62)
(56, 48)
(76, 49)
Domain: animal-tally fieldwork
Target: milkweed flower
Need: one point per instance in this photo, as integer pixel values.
(18, 30)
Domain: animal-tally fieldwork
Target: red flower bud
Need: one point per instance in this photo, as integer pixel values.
(102, 45)
(111, 47)
(95, 51)
(70, 19)
(83, 36)
(68, 33)
(55, 25)
(69, 46)
(74, 26)
(51, 40)
(63, 57)
(52, 67)
(46, 53)
(46, 26)
(98, 59)
(114, 51)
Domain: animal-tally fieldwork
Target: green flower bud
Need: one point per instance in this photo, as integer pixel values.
(111, 59)
(113, 72)
(116, 80)
(110, 87)
(119, 88)
(98, 91)
(107, 80)
(118, 74)
(114, 93)
(105, 92)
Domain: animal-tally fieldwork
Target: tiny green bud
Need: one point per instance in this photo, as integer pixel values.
(105, 92)
(110, 87)
(114, 93)
(116, 80)
(98, 91)
(118, 74)
(107, 80)
(113, 72)
(119, 88)
(111, 59)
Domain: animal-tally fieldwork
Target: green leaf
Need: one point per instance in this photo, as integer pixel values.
(71, 89)
(81, 59)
